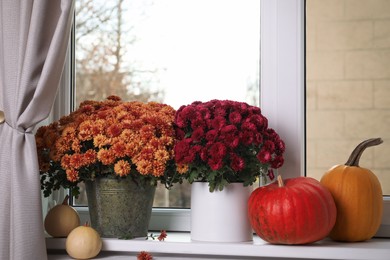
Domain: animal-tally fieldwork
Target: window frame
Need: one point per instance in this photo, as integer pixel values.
(282, 99)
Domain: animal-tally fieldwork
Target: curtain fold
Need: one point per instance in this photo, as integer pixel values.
(33, 41)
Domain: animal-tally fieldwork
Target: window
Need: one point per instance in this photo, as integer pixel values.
(282, 93)
(149, 51)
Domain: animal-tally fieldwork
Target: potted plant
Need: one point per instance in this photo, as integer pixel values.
(105, 144)
(221, 143)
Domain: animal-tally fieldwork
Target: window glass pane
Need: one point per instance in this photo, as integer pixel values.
(170, 51)
(348, 84)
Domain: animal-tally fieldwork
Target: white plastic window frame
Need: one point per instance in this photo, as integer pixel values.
(282, 98)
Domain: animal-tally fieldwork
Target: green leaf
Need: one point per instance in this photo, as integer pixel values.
(211, 186)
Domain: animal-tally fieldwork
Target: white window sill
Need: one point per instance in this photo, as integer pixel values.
(179, 246)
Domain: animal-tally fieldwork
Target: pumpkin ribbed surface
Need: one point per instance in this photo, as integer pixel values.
(358, 196)
(300, 212)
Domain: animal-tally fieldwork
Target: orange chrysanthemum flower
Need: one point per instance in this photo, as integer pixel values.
(85, 131)
(63, 144)
(100, 140)
(122, 168)
(72, 175)
(143, 255)
(106, 157)
(163, 235)
(69, 131)
(132, 149)
(161, 155)
(182, 168)
(43, 166)
(90, 157)
(107, 137)
(144, 167)
(65, 161)
(97, 127)
(76, 146)
(76, 161)
(119, 149)
(114, 130)
(50, 138)
(158, 168)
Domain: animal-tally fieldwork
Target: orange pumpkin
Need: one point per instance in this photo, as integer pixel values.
(358, 196)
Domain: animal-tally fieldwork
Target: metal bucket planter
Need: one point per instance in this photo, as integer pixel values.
(120, 208)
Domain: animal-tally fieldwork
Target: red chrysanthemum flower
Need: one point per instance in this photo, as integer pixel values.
(217, 151)
(277, 162)
(197, 134)
(234, 143)
(229, 135)
(215, 163)
(264, 156)
(198, 123)
(217, 123)
(235, 118)
(246, 137)
(271, 174)
(182, 149)
(269, 145)
(236, 162)
(211, 135)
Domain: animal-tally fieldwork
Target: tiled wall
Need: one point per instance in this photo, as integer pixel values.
(348, 83)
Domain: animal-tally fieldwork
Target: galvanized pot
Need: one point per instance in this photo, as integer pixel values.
(120, 208)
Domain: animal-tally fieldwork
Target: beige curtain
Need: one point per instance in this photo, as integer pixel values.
(33, 41)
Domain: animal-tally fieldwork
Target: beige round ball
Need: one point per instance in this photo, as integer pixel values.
(83, 243)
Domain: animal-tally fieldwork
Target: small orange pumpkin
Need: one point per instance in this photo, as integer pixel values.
(61, 219)
(358, 196)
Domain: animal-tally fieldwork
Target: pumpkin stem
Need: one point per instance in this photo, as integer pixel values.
(280, 181)
(354, 158)
(66, 200)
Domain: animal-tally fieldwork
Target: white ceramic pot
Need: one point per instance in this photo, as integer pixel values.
(220, 216)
